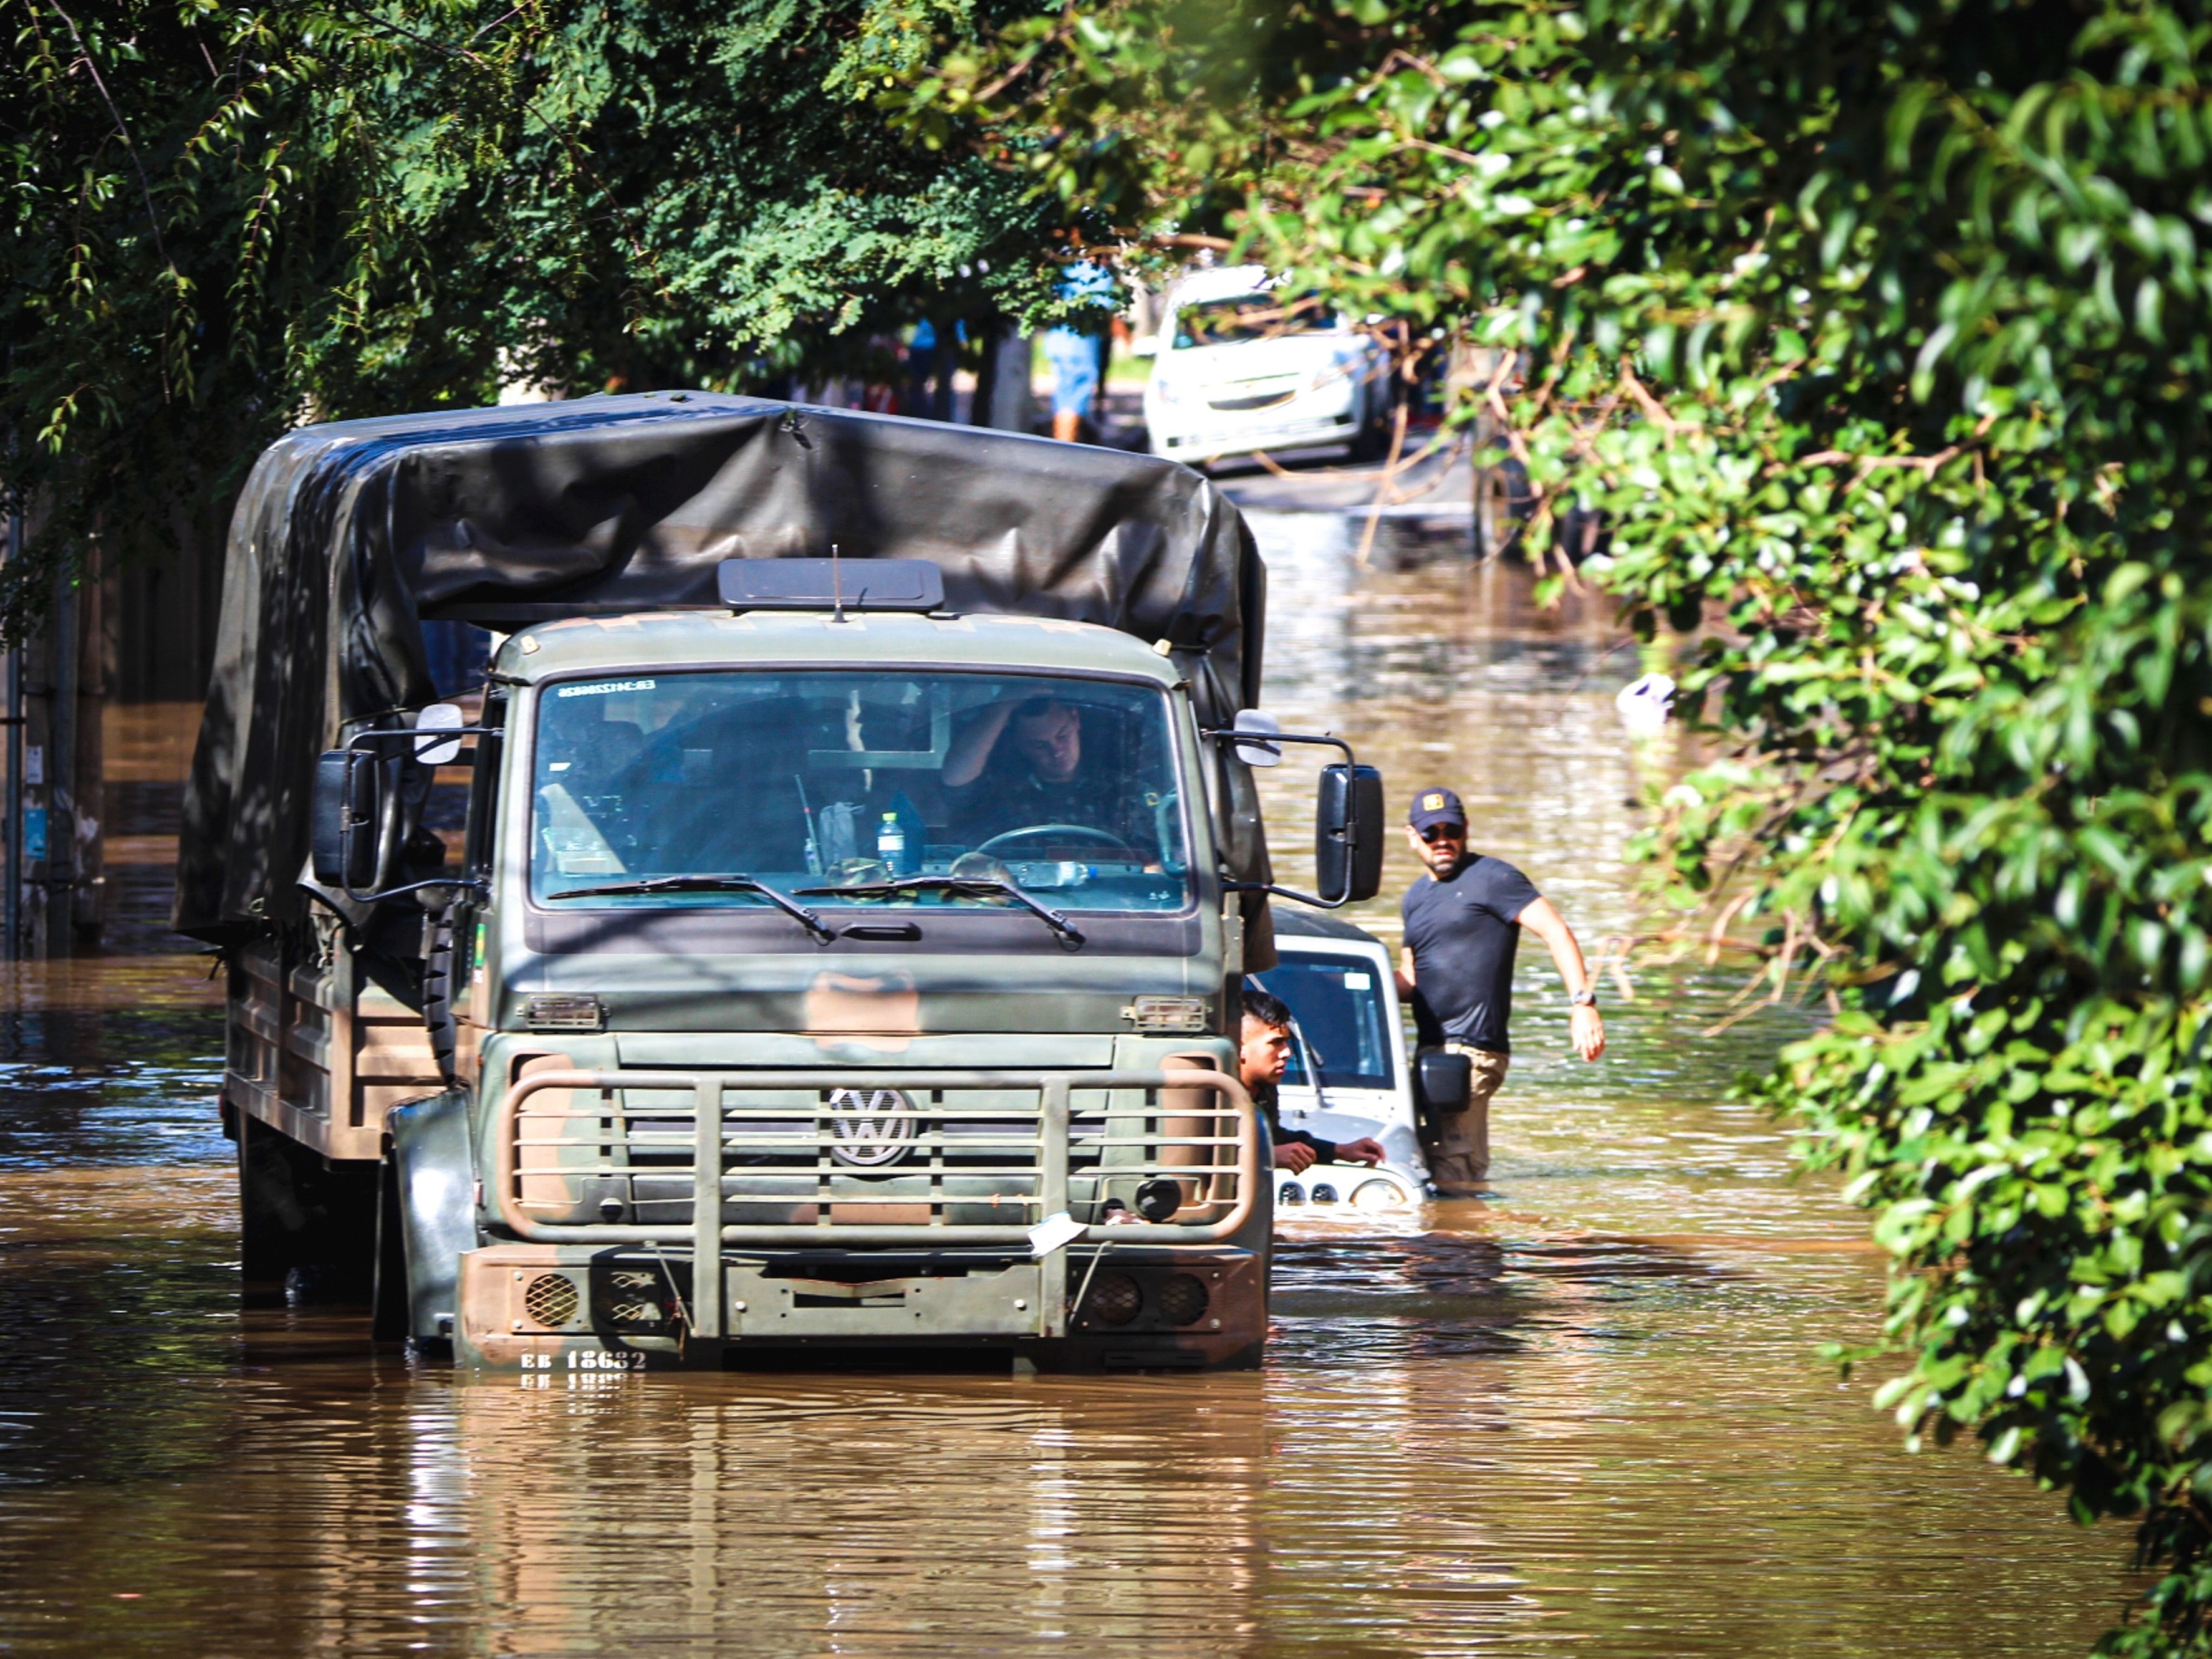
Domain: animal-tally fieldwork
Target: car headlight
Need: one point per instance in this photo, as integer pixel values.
(1337, 372)
(1379, 1195)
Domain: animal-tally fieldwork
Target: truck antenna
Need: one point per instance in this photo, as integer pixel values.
(836, 585)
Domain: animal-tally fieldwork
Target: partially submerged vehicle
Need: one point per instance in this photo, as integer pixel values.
(1350, 1075)
(1241, 365)
(861, 865)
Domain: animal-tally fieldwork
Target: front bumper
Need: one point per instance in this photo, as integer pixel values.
(1192, 429)
(1219, 437)
(573, 1311)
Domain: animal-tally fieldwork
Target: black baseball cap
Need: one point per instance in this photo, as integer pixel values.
(1435, 806)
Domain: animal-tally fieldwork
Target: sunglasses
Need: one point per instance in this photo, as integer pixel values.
(1437, 832)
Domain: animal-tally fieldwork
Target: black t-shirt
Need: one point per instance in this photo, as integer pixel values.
(1463, 933)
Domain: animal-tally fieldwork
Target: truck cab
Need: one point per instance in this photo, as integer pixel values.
(913, 1081)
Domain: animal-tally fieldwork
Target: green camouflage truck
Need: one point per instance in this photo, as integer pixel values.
(850, 861)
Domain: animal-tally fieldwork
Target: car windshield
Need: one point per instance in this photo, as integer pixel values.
(1065, 787)
(1249, 317)
(1337, 1002)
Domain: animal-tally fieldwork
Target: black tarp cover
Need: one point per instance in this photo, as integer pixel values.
(349, 536)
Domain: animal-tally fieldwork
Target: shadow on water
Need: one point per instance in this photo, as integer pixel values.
(81, 1087)
(1584, 1414)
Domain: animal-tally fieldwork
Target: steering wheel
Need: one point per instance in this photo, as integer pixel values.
(996, 847)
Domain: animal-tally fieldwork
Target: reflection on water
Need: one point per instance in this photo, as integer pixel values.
(106, 1061)
(1586, 1414)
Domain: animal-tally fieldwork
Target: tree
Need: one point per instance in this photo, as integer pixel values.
(223, 221)
(1881, 338)
(154, 174)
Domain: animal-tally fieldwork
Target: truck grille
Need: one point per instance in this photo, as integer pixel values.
(968, 1157)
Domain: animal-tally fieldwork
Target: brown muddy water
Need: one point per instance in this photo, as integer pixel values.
(1586, 1414)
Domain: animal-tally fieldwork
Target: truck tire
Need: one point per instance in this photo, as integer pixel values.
(1502, 503)
(1373, 443)
(1580, 532)
(307, 1225)
(438, 991)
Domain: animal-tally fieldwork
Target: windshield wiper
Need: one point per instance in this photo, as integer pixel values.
(967, 886)
(798, 912)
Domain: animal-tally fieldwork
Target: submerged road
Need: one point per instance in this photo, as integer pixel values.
(1588, 1414)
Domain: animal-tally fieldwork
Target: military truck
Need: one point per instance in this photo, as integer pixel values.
(851, 860)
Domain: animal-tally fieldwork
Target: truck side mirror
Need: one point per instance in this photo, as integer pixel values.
(346, 813)
(1348, 833)
(1442, 1082)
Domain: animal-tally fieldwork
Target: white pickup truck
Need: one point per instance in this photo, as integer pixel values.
(1349, 1073)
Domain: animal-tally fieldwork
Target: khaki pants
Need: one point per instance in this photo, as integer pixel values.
(1457, 1144)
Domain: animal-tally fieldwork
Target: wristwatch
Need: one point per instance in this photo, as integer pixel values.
(1584, 998)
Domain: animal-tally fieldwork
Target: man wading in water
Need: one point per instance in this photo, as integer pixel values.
(1463, 923)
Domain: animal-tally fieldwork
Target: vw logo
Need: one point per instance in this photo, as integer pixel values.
(864, 1137)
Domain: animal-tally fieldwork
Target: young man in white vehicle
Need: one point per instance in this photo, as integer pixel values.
(1263, 1058)
(1463, 923)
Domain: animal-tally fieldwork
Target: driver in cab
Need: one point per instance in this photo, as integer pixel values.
(1020, 765)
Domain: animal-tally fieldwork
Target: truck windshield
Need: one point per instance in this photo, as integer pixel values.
(1338, 1003)
(1065, 788)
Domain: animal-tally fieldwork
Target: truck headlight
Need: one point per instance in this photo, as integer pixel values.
(1114, 1299)
(1181, 1299)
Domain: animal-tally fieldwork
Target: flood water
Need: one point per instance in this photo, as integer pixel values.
(1587, 1414)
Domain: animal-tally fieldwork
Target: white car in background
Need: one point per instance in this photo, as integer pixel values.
(1348, 1075)
(1239, 365)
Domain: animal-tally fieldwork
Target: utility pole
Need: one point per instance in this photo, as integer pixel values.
(61, 779)
(11, 831)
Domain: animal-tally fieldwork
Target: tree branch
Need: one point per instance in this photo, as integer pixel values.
(145, 184)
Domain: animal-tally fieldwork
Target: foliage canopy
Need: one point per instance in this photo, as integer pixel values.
(221, 220)
(1882, 338)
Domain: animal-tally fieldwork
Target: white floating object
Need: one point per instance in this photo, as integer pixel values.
(1053, 1232)
(1646, 704)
